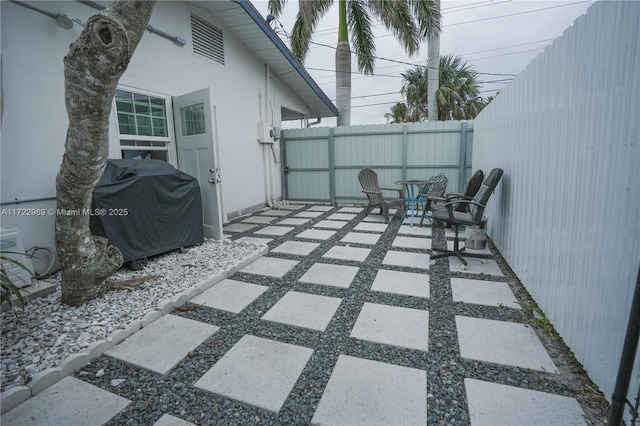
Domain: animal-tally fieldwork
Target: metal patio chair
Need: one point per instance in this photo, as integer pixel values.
(436, 187)
(369, 183)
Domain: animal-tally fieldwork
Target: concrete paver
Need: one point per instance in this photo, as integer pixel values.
(320, 208)
(496, 404)
(424, 231)
(316, 234)
(275, 212)
(256, 240)
(163, 343)
(257, 371)
(296, 221)
(304, 310)
(392, 325)
(347, 253)
(258, 219)
(331, 224)
(406, 259)
(371, 227)
(360, 238)
(355, 210)
(309, 214)
(405, 283)
(365, 392)
(270, 267)
(475, 266)
(502, 342)
(299, 248)
(412, 243)
(169, 420)
(238, 227)
(70, 402)
(230, 295)
(342, 216)
(328, 274)
(376, 218)
(275, 230)
(481, 292)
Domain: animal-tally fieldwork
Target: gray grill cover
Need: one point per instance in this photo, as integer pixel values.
(164, 208)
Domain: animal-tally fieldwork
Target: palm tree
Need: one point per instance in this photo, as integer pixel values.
(410, 21)
(458, 96)
(399, 113)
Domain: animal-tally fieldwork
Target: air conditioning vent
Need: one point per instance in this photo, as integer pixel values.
(207, 40)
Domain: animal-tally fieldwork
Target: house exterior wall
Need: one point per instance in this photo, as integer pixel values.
(34, 119)
(565, 131)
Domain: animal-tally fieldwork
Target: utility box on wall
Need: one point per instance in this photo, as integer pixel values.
(17, 266)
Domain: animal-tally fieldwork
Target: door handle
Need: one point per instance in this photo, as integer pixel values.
(217, 178)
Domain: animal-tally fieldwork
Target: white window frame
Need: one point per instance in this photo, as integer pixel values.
(170, 148)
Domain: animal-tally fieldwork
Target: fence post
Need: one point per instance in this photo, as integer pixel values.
(463, 156)
(283, 169)
(332, 168)
(405, 151)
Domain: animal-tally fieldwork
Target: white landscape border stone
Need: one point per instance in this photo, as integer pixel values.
(43, 379)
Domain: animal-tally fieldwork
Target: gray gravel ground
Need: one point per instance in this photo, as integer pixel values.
(153, 394)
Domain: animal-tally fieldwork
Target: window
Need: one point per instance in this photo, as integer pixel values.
(142, 125)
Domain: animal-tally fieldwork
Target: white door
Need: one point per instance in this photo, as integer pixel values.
(195, 143)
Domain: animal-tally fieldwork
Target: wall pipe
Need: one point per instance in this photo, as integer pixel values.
(177, 40)
(627, 359)
(28, 200)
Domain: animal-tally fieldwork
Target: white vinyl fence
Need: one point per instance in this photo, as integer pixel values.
(566, 132)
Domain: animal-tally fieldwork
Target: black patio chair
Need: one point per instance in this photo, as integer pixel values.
(472, 216)
(369, 182)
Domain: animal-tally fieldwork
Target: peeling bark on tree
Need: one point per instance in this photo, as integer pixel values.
(343, 83)
(92, 68)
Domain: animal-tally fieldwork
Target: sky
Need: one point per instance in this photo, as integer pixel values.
(498, 39)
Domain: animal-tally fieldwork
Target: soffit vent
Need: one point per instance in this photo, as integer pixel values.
(207, 40)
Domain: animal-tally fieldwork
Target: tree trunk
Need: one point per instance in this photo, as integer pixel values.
(433, 77)
(92, 68)
(343, 68)
(343, 83)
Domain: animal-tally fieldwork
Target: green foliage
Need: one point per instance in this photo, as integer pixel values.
(410, 21)
(8, 290)
(539, 319)
(458, 94)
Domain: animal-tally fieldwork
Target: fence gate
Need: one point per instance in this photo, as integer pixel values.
(306, 165)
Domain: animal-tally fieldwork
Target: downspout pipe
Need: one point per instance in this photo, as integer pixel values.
(265, 153)
(627, 359)
(315, 122)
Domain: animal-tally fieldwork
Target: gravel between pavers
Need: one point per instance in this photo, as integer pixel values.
(153, 395)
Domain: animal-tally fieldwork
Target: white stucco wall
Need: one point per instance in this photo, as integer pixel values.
(35, 122)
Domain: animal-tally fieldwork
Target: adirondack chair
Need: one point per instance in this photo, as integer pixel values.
(369, 183)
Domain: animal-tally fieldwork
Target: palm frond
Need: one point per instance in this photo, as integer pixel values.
(309, 14)
(359, 23)
(396, 17)
(427, 15)
(275, 7)
(8, 290)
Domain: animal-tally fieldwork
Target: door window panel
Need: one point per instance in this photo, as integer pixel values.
(192, 119)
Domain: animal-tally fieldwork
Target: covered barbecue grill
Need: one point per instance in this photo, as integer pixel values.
(146, 207)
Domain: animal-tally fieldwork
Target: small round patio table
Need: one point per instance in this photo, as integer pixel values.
(412, 196)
